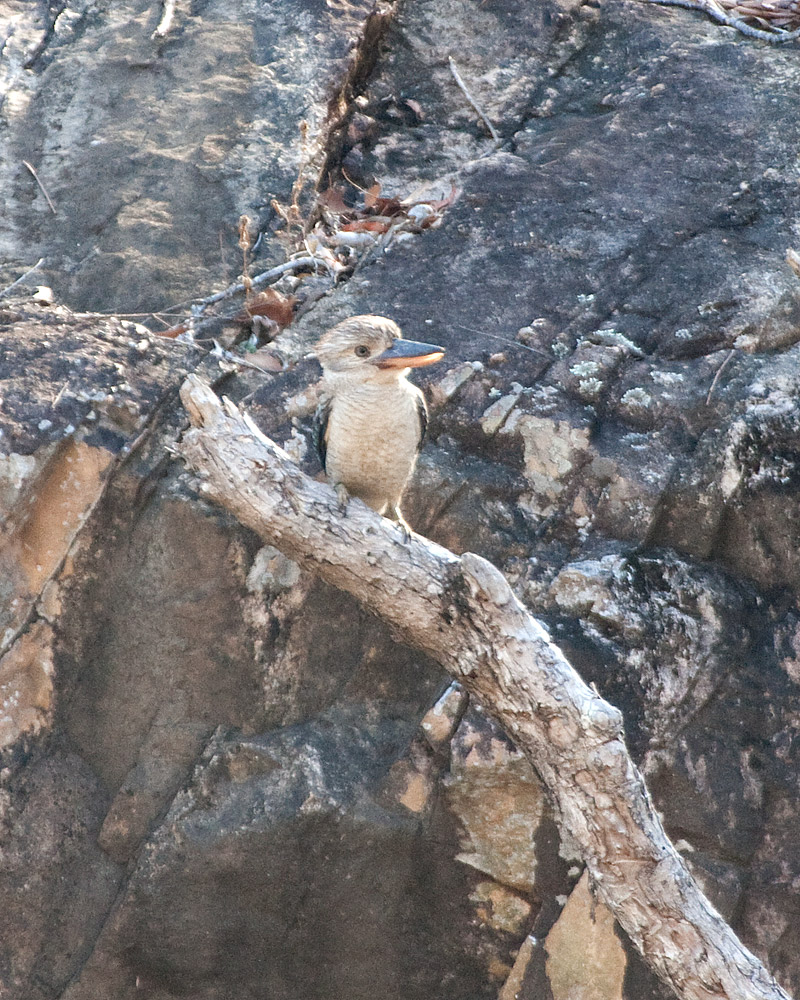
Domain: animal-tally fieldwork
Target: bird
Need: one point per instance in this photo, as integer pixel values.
(371, 421)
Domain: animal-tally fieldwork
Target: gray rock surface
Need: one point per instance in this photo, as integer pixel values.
(220, 778)
(284, 870)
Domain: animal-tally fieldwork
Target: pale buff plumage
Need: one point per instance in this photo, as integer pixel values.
(371, 420)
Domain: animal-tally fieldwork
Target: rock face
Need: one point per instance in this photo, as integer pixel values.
(219, 777)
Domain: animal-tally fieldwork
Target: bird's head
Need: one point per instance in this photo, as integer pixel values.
(372, 348)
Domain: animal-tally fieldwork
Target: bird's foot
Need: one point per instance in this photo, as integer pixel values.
(342, 496)
(400, 521)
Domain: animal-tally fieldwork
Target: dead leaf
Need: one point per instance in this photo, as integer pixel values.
(445, 202)
(366, 226)
(333, 198)
(270, 303)
(371, 196)
(389, 206)
(174, 331)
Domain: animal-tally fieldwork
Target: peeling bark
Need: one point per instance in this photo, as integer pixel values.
(462, 612)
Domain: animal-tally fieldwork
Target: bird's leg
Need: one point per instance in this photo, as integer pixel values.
(342, 496)
(393, 512)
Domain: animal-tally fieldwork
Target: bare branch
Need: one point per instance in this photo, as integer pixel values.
(167, 13)
(296, 264)
(22, 277)
(462, 612)
(42, 188)
(720, 370)
(465, 91)
(774, 35)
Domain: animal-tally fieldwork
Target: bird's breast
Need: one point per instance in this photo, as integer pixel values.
(372, 439)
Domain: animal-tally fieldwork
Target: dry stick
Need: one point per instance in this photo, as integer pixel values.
(275, 272)
(718, 373)
(244, 246)
(775, 37)
(506, 340)
(199, 326)
(472, 101)
(462, 612)
(19, 281)
(163, 26)
(42, 188)
(60, 394)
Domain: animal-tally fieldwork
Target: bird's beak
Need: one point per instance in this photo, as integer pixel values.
(409, 354)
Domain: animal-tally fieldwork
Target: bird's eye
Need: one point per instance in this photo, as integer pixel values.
(361, 351)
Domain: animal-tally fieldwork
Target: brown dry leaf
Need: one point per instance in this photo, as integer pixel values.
(429, 221)
(333, 198)
(389, 206)
(437, 206)
(270, 303)
(174, 331)
(381, 215)
(371, 196)
(366, 226)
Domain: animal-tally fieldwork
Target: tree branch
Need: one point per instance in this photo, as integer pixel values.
(461, 611)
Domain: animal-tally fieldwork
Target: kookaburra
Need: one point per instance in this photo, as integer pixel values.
(371, 420)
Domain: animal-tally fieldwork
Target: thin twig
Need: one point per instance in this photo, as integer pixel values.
(719, 372)
(472, 101)
(167, 12)
(218, 351)
(60, 395)
(200, 326)
(775, 37)
(351, 181)
(198, 308)
(42, 188)
(160, 319)
(274, 272)
(19, 281)
(222, 252)
(505, 340)
(118, 315)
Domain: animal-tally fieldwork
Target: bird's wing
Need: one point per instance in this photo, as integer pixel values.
(422, 413)
(320, 429)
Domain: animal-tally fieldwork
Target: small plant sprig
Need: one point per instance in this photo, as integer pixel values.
(245, 244)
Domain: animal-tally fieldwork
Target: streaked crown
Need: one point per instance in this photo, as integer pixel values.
(356, 340)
